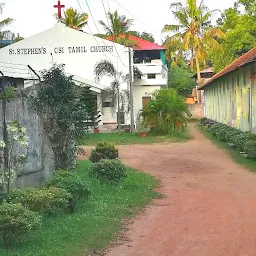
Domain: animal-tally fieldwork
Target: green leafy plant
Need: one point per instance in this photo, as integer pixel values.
(167, 112)
(215, 128)
(239, 140)
(71, 183)
(51, 201)
(108, 171)
(16, 222)
(231, 133)
(142, 127)
(204, 121)
(11, 160)
(104, 150)
(62, 112)
(250, 148)
(224, 132)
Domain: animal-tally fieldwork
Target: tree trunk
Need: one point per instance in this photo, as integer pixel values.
(118, 112)
(198, 69)
(64, 156)
(198, 78)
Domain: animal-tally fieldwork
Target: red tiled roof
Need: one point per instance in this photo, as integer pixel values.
(141, 44)
(241, 61)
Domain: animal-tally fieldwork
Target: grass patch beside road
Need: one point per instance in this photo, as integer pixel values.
(127, 138)
(96, 222)
(234, 153)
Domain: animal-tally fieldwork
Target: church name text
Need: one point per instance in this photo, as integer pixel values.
(61, 50)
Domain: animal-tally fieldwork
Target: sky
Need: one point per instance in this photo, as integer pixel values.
(34, 16)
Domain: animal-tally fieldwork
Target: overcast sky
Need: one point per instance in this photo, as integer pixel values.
(33, 16)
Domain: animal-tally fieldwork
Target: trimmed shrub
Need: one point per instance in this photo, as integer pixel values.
(16, 222)
(103, 150)
(108, 171)
(71, 183)
(51, 201)
(231, 133)
(239, 140)
(215, 128)
(250, 148)
(204, 121)
(221, 133)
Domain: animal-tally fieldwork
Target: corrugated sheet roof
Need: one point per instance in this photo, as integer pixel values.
(241, 61)
(141, 44)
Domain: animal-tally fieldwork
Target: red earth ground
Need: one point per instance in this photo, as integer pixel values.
(209, 207)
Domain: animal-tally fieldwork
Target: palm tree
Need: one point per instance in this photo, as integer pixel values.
(4, 23)
(193, 32)
(73, 19)
(116, 26)
(106, 68)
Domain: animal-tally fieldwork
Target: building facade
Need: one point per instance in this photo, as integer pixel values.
(152, 72)
(230, 95)
(80, 52)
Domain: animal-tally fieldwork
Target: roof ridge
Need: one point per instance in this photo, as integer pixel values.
(240, 61)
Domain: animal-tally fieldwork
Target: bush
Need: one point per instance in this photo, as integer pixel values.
(250, 148)
(231, 133)
(108, 171)
(71, 183)
(103, 150)
(215, 128)
(239, 140)
(50, 201)
(16, 222)
(221, 133)
(204, 121)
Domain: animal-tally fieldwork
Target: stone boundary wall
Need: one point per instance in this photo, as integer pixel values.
(40, 164)
(197, 110)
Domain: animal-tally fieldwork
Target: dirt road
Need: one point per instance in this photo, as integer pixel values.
(209, 207)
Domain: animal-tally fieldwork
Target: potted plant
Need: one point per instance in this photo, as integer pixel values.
(127, 129)
(96, 130)
(143, 129)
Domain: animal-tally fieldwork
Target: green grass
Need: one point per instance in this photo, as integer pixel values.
(234, 153)
(127, 138)
(96, 222)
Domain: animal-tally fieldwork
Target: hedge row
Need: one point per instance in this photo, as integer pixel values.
(243, 141)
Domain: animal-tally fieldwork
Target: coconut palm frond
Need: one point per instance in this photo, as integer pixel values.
(106, 28)
(171, 28)
(104, 68)
(73, 19)
(6, 22)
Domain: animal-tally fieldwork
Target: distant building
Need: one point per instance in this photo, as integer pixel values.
(151, 70)
(198, 96)
(230, 95)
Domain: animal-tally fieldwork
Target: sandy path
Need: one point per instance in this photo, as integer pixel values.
(209, 207)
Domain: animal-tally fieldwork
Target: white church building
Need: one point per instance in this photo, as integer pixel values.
(80, 52)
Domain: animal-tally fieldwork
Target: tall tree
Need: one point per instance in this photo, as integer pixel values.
(106, 68)
(240, 28)
(73, 19)
(4, 23)
(180, 79)
(116, 26)
(193, 32)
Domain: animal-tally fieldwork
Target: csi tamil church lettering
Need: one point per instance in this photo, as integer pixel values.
(60, 50)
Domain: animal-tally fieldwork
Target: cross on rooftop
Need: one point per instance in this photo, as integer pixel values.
(252, 77)
(59, 7)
